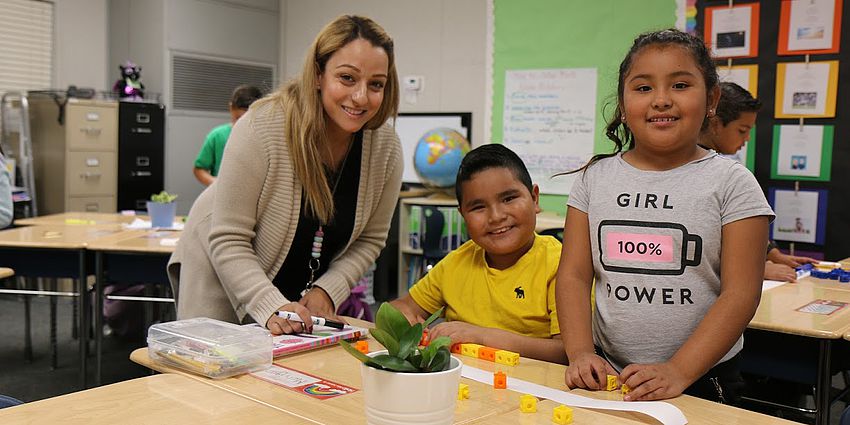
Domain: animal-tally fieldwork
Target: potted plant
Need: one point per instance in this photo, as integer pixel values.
(407, 383)
(162, 209)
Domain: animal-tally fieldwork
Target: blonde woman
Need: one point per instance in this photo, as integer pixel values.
(305, 194)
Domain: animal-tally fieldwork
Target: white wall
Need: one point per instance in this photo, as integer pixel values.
(80, 44)
(441, 40)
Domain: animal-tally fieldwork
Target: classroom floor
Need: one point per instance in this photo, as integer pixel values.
(30, 381)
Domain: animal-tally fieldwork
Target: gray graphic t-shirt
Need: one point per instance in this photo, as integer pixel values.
(655, 241)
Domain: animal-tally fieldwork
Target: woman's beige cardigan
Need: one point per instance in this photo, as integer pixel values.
(240, 228)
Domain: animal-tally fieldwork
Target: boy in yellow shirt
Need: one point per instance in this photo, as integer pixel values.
(499, 287)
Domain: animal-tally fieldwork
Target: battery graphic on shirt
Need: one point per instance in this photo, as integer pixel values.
(641, 247)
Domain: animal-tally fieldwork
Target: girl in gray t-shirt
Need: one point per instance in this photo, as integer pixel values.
(671, 233)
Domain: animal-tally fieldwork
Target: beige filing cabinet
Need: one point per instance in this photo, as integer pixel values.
(75, 163)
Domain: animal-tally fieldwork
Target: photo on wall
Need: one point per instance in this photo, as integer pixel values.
(800, 215)
(732, 32)
(802, 152)
(806, 89)
(809, 27)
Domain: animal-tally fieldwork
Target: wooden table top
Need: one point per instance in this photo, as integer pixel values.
(485, 404)
(78, 219)
(6, 272)
(140, 241)
(777, 310)
(155, 399)
(56, 236)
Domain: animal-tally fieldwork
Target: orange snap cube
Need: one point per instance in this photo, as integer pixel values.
(487, 353)
(528, 404)
(500, 380)
(425, 338)
(456, 348)
(362, 346)
(562, 415)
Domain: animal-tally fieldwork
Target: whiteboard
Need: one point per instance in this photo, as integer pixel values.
(411, 126)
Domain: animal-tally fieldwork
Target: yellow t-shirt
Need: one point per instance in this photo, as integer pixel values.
(520, 299)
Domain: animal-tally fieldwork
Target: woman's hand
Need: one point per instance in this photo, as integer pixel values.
(278, 325)
(587, 370)
(653, 381)
(319, 303)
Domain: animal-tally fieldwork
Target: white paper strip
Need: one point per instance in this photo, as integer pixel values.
(666, 413)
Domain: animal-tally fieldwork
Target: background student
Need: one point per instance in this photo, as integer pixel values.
(307, 189)
(499, 287)
(669, 318)
(6, 206)
(727, 132)
(208, 162)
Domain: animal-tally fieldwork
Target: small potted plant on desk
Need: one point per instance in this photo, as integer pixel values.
(406, 383)
(162, 209)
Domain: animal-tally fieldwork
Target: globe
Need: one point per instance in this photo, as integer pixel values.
(437, 157)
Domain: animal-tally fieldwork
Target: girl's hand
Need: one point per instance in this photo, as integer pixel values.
(653, 381)
(459, 332)
(278, 325)
(780, 272)
(587, 370)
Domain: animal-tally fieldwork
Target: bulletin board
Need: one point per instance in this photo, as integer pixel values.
(828, 179)
(556, 34)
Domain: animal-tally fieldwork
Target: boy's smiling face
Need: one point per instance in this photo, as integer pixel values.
(500, 214)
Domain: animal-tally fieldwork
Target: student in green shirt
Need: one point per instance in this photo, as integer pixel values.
(208, 161)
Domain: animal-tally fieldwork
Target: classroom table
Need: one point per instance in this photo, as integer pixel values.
(548, 220)
(133, 256)
(777, 312)
(78, 219)
(55, 251)
(485, 405)
(158, 399)
(6, 272)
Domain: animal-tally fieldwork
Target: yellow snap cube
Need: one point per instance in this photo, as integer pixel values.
(462, 391)
(562, 415)
(470, 350)
(613, 383)
(506, 357)
(625, 389)
(528, 404)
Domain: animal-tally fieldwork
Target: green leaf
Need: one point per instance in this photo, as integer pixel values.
(440, 361)
(391, 320)
(394, 363)
(440, 342)
(434, 317)
(410, 340)
(353, 351)
(388, 341)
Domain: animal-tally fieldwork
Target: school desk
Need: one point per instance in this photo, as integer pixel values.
(54, 251)
(777, 312)
(160, 399)
(6, 272)
(485, 405)
(132, 256)
(78, 219)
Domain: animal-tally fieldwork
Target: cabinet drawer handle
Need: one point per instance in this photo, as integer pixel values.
(87, 175)
(91, 131)
(90, 207)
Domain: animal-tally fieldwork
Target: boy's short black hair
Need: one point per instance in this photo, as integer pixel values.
(735, 100)
(493, 155)
(244, 95)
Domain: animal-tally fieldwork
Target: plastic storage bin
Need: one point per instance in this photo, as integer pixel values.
(210, 347)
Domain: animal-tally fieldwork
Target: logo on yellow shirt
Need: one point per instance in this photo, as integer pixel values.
(520, 293)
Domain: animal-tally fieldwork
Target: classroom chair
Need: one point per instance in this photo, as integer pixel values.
(556, 232)
(6, 401)
(845, 417)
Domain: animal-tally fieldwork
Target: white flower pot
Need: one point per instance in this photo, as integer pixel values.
(410, 398)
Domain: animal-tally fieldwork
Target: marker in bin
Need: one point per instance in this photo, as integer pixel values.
(321, 321)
